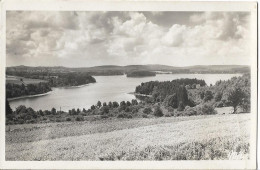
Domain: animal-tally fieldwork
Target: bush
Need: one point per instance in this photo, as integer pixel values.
(68, 119)
(79, 118)
(167, 115)
(189, 111)
(144, 116)
(124, 115)
(127, 109)
(104, 116)
(219, 104)
(180, 107)
(58, 120)
(205, 109)
(208, 96)
(158, 111)
(134, 110)
(147, 110)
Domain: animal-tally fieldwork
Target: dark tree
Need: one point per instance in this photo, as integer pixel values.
(93, 107)
(8, 109)
(235, 98)
(171, 100)
(128, 103)
(53, 111)
(218, 96)
(158, 112)
(104, 104)
(99, 104)
(115, 104)
(110, 104)
(180, 106)
(208, 96)
(134, 102)
(122, 103)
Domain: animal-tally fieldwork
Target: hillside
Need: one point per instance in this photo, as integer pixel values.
(120, 70)
(227, 137)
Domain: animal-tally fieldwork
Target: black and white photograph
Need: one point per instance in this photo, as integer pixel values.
(130, 85)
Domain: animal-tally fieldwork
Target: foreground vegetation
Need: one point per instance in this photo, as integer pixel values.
(171, 138)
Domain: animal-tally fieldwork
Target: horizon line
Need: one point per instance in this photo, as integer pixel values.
(132, 65)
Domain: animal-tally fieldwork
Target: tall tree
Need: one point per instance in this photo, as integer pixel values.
(8, 109)
(236, 97)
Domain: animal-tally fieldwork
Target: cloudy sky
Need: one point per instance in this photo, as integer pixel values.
(83, 39)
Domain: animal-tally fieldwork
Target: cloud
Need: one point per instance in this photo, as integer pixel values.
(79, 39)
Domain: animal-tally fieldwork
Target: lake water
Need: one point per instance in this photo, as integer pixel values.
(107, 88)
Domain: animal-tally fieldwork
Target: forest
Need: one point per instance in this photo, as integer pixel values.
(16, 90)
(70, 79)
(56, 80)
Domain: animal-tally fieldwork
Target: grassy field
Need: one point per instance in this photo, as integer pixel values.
(16, 80)
(181, 138)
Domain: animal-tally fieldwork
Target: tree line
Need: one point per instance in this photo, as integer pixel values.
(17, 90)
(57, 80)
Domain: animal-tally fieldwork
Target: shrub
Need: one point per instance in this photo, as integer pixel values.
(205, 109)
(189, 111)
(167, 115)
(158, 111)
(180, 107)
(105, 109)
(219, 104)
(79, 118)
(147, 110)
(124, 115)
(68, 119)
(134, 110)
(170, 109)
(218, 96)
(208, 96)
(127, 109)
(104, 116)
(58, 120)
(144, 116)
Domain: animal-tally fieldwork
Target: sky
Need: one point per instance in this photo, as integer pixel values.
(85, 39)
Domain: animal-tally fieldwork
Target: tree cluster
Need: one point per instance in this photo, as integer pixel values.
(16, 90)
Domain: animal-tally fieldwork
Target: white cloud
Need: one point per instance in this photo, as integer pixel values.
(97, 38)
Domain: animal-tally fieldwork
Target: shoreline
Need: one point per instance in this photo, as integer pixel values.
(71, 87)
(28, 96)
(138, 94)
(44, 94)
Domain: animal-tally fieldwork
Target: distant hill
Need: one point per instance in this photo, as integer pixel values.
(120, 70)
(140, 74)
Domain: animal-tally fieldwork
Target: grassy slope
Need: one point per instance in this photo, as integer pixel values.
(16, 80)
(130, 139)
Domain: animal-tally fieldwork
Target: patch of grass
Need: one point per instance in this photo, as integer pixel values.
(17, 80)
(125, 138)
(213, 149)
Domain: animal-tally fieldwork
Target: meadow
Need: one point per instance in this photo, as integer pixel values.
(17, 80)
(201, 137)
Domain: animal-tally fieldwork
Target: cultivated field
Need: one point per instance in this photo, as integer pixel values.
(171, 138)
(17, 80)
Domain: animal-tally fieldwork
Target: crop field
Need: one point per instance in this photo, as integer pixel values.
(166, 138)
(17, 80)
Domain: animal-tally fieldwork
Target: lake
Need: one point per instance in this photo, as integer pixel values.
(107, 88)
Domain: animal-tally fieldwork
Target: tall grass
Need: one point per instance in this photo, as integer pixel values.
(213, 149)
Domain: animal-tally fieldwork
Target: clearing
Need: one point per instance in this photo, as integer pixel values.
(17, 80)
